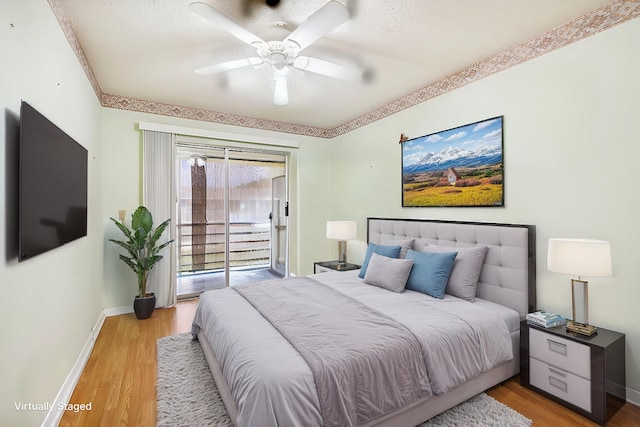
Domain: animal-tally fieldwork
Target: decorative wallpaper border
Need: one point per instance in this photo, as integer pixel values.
(152, 107)
(617, 12)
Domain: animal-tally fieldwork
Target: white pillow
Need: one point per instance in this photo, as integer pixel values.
(388, 273)
(464, 277)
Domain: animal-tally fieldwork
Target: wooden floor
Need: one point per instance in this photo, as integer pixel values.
(119, 379)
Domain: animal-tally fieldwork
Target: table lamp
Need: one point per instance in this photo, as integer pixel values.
(582, 258)
(342, 231)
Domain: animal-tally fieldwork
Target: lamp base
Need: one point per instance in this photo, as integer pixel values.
(342, 252)
(581, 328)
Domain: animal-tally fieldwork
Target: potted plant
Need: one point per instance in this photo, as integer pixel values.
(142, 248)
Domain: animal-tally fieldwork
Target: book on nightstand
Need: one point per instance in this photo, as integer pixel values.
(545, 319)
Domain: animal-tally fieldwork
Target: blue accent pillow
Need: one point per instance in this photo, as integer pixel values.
(388, 251)
(430, 272)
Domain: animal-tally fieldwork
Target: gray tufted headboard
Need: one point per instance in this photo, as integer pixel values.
(508, 276)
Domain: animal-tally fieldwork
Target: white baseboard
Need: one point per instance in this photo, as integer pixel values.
(633, 396)
(115, 311)
(64, 394)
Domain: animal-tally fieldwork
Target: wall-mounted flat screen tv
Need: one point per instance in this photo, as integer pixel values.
(52, 195)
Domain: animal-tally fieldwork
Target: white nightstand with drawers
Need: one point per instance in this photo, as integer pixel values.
(586, 374)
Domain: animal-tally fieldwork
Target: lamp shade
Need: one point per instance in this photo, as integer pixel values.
(341, 230)
(580, 257)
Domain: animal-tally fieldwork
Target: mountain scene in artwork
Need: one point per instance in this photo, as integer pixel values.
(457, 167)
(456, 157)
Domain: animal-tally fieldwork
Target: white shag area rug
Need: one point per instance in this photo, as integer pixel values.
(187, 394)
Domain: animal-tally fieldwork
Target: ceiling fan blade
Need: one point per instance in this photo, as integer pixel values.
(328, 68)
(319, 24)
(229, 65)
(212, 14)
(280, 95)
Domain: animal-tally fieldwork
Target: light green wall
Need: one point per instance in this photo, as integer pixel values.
(121, 138)
(50, 302)
(571, 150)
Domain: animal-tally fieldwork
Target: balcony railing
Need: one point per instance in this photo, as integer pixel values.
(202, 246)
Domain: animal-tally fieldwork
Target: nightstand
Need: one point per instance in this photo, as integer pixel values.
(324, 266)
(585, 374)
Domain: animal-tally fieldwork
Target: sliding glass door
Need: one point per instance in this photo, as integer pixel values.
(228, 232)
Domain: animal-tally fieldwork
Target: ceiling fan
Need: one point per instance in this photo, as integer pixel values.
(281, 55)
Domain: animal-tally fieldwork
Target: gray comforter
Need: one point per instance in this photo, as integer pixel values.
(364, 364)
(272, 383)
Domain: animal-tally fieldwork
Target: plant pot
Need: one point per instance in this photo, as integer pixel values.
(143, 307)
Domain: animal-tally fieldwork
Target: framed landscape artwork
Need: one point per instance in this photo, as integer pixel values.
(462, 166)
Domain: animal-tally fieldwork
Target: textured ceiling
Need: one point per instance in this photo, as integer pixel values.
(141, 55)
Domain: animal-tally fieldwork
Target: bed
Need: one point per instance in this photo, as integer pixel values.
(278, 360)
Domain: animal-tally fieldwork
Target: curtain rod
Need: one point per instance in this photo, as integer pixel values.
(228, 136)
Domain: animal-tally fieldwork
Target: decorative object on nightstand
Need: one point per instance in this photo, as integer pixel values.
(582, 258)
(545, 319)
(342, 231)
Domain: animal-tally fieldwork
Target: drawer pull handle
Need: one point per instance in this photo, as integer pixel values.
(557, 371)
(554, 382)
(557, 347)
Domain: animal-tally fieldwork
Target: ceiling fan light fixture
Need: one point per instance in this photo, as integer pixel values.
(280, 95)
(278, 60)
(281, 55)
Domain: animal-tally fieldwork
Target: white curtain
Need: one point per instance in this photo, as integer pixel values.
(157, 165)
